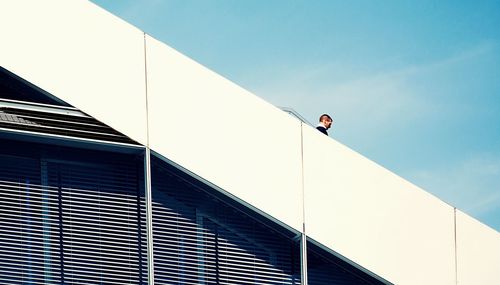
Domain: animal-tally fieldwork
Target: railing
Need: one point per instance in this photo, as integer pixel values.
(295, 114)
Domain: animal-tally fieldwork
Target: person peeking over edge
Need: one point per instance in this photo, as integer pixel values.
(325, 122)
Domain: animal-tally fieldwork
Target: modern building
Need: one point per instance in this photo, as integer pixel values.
(123, 161)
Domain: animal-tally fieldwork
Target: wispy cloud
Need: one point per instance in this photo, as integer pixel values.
(367, 104)
(377, 100)
(472, 185)
(142, 12)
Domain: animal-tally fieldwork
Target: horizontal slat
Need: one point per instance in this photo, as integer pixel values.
(23, 257)
(53, 120)
(26, 280)
(9, 227)
(21, 187)
(60, 121)
(105, 251)
(91, 277)
(30, 246)
(178, 278)
(186, 232)
(87, 229)
(106, 265)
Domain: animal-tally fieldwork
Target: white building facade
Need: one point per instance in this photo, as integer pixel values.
(105, 181)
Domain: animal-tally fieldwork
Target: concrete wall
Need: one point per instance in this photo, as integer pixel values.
(252, 150)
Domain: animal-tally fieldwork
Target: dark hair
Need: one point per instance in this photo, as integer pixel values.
(325, 116)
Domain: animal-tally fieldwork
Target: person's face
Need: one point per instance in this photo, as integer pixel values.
(327, 123)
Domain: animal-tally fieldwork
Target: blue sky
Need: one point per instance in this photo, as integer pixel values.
(412, 85)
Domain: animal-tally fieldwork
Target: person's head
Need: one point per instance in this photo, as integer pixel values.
(326, 120)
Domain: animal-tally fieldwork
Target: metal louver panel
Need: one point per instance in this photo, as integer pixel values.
(55, 120)
(22, 224)
(102, 236)
(84, 225)
(182, 251)
(252, 258)
(29, 239)
(201, 240)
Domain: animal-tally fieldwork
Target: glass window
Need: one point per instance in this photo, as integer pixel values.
(70, 215)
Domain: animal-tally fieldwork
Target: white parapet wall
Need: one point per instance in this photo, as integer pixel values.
(251, 150)
(478, 252)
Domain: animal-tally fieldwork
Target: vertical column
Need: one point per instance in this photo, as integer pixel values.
(303, 241)
(149, 193)
(455, 242)
(303, 257)
(149, 215)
